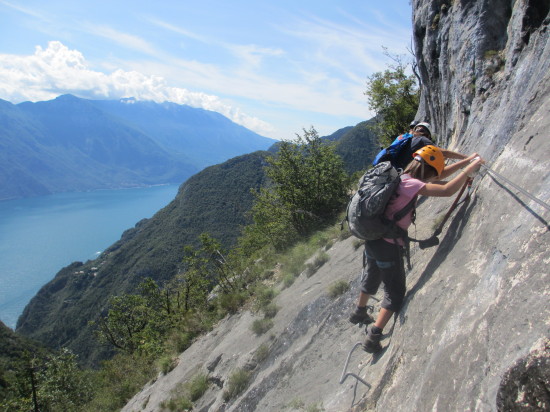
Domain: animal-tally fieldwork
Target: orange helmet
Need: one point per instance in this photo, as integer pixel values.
(433, 156)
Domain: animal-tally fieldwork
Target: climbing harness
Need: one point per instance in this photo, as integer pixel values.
(529, 195)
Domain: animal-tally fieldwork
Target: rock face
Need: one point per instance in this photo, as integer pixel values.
(473, 332)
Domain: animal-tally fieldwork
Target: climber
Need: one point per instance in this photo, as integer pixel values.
(422, 136)
(384, 257)
(399, 153)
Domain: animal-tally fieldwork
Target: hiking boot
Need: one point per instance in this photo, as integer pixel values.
(360, 316)
(372, 343)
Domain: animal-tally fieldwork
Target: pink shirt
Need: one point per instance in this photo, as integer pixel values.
(407, 189)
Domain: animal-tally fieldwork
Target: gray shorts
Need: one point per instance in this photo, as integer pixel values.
(384, 264)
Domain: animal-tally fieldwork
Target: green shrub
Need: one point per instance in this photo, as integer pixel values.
(232, 302)
(261, 353)
(236, 384)
(167, 364)
(264, 295)
(118, 380)
(270, 310)
(329, 244)
(296, 403)
(197, 386)
(321, 239)
(315, 408)
(318, 261)
(288, 280)
(338, 288)
(180, 341)
(260, 326)
(179, 404)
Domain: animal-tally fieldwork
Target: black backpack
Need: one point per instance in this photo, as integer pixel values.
(365, 212)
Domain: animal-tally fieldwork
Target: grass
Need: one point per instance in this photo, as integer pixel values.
(261, 353)
(261, 326)
(338, 288)
(179, 404)
(318, 261)
(197, 386)
(167, 364)
(263, 296)
(270, 311)
(236, 384)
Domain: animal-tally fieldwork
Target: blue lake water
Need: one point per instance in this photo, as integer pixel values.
(39, 236)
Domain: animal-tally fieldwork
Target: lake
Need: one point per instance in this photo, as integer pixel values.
(41, 235)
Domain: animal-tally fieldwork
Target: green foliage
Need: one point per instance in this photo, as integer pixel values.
(185, 394)
(394, 96)
(308, 186)
(261, 353)
(315, 407)
(263, 295)
(237, 383)
(261, 326)
(288, 280)
(338, 288)
(167, 363)
(270, 310)
(319, 260)
(56, 381)
(62, 386)
(131, 325)
(232, 302)
(197, 386)
(118, 380)
(178, 404)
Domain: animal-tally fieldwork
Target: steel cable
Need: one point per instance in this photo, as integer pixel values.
(526, 193)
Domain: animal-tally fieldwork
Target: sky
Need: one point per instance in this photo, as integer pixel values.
(276, 67)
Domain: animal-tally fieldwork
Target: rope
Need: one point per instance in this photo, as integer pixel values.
(529, 195)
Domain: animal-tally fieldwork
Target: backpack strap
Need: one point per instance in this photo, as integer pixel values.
(406, 209)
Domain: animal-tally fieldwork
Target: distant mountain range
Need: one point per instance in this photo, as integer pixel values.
(72, 144)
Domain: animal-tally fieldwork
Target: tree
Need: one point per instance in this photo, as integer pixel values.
(394, 96)
(131, 325)
(53, 383)
(62, 385)
(308, 187)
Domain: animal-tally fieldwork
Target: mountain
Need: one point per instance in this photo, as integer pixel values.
(73, 144)
(357, 146)
(197, 136)
(214, 200)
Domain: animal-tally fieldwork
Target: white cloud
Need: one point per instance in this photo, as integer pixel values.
(57, 70)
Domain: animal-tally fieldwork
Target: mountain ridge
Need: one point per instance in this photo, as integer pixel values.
(73, 144)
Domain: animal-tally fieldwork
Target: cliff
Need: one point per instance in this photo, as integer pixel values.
(473, 332)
